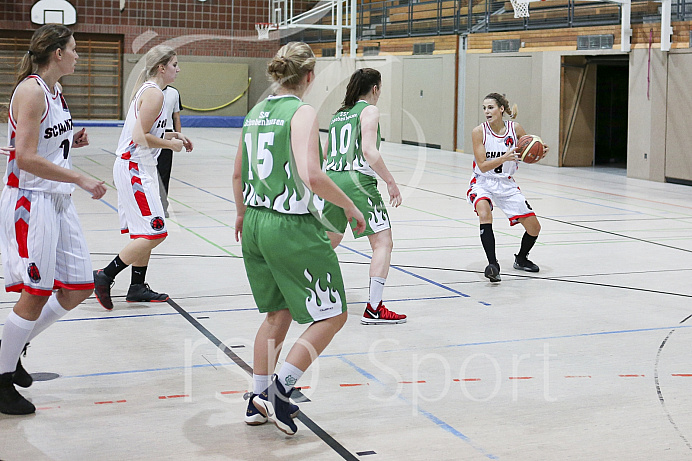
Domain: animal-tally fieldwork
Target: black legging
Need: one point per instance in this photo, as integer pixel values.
(164, 165)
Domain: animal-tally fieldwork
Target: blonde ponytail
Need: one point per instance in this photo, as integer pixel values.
(160, 55)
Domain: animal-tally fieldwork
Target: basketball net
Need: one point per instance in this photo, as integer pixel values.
(521, 8)
(263, 29)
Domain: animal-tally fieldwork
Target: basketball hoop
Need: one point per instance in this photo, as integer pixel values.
(263, 29)
(521, 8)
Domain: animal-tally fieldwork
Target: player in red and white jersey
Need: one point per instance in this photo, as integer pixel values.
(136, 178)
(54, 142)
(45, 256)
(494, 165)
(127, 148)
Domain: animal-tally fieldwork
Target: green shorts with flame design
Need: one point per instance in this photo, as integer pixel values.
(291, 265)
(362, 189)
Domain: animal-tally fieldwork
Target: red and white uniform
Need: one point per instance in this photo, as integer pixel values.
(498, 185)
(42, 242)
(136, 178)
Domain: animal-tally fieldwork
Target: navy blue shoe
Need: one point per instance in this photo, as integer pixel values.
(252, 415)
(274, 403)
(254, 418)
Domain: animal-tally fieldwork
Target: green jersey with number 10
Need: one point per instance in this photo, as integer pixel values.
(270, 176)
(345, 144)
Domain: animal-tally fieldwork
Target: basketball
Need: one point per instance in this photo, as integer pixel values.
(530, 148)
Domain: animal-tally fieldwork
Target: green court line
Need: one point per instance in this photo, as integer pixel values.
(216, 245)
(204, 238)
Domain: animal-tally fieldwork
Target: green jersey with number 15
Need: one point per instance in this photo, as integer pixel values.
(270, 176)
(345, 144)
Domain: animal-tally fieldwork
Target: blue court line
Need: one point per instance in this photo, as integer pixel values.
(214, 311)
(509, 341)
(204, 190)
(437, 421)
(144, 370)
(161, 314)
(444, 287)
(105, 202)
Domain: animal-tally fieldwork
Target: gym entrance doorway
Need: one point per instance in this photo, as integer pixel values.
(593, 111)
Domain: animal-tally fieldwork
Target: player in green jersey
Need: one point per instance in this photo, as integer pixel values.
(294, 274)
(353, 161)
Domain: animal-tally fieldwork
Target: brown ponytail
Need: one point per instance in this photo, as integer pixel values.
(503, 102)
(360, 84)
(44, 42)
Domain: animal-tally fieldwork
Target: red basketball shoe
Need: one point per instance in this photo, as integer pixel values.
(381, 315)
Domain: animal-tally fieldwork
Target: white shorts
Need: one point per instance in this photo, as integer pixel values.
(502, 192)
(43, 245)
(139, 203)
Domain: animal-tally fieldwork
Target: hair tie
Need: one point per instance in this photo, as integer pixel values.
(30, 53)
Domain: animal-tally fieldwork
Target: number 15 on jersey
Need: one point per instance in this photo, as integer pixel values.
(262, 162)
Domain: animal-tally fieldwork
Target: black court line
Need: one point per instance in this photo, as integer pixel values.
(302, 417)
(553, 279)
(617, 234)
(658, 387)
(578, 225)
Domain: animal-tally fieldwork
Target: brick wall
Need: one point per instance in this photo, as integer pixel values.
(212, 28)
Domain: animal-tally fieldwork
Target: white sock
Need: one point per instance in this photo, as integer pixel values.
(15, 335)
(51, 313)
(376, 289)
(260, 383)
(289, 375)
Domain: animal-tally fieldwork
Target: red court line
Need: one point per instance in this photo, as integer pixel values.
(232, 392)
(521, 377)
(46, 408)
(162, 397)
(351, 385)
(411, 382)
(303, 387)
(578, 376)
(632, 376)
(685, 375)
(467, 379)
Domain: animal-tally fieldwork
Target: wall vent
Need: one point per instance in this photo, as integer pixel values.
(506, 46)
(595, 42)
(423, 48)
(371, 50)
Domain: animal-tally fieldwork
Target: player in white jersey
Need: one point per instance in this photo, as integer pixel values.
(495, 162)
(45, 256)
(136, 178)
(171, 109)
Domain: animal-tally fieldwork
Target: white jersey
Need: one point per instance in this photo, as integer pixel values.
(127, 149)
(495, 146)
(54, 143)
(171, 105)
